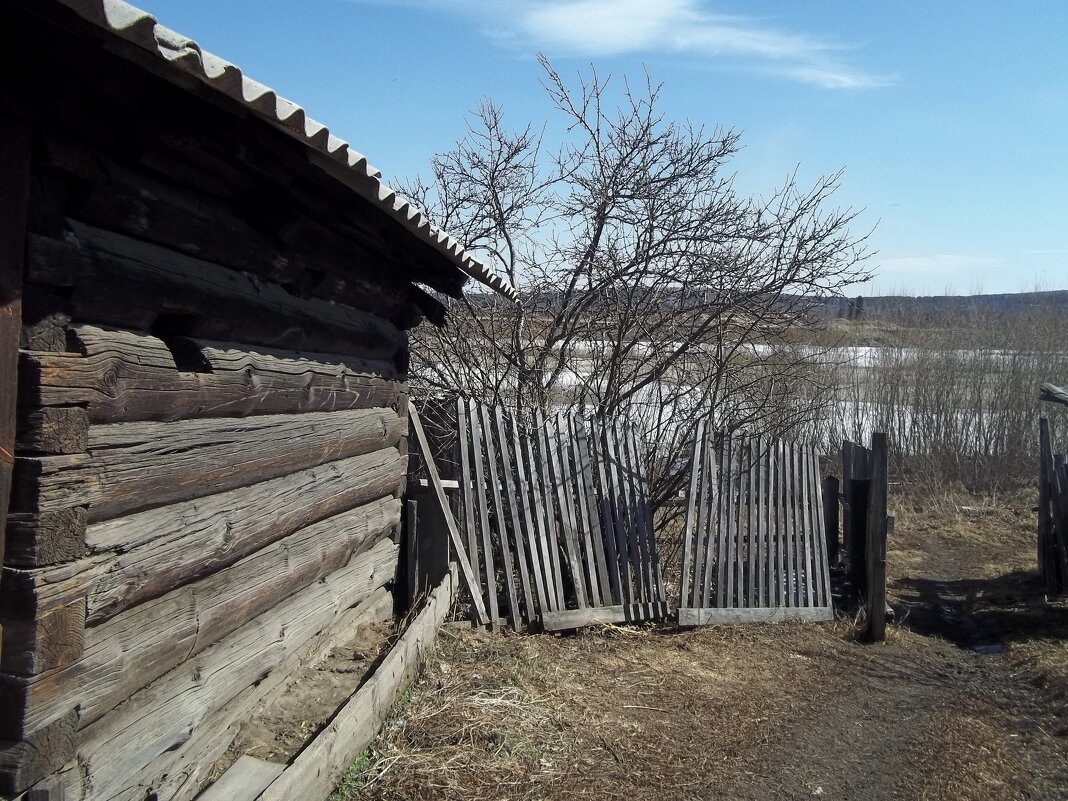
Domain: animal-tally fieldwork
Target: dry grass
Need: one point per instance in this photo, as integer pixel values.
(758, 712)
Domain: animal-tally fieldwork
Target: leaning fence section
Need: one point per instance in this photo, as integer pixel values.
(1052, 514)
(753, 546)
(557, 520)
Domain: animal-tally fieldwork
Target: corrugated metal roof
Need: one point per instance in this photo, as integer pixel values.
(141, 29)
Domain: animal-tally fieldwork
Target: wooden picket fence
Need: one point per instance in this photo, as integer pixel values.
(556, 519)
(1052, 514)
(754, 547)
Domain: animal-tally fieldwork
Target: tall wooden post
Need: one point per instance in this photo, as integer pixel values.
(875, 591)
(14, 194)
(830, 517)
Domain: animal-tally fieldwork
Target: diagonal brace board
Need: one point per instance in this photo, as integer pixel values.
(473, 588)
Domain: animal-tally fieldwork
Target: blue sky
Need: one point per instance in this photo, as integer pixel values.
(950, 118)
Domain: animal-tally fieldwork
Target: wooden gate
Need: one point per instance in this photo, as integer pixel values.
(557, 520)
(1052, 514)
(753, 547)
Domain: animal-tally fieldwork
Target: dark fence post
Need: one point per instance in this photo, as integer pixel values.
(875, 591)
(830, 517)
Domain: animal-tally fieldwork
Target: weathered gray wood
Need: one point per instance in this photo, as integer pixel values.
(543, 522)
(467, 497)
(588, 493)
(454, 533)
(831, 488)
(51, 640)
(134, 648)
(566, 619)
(540, 462)
(489, 573)
(120, 376)
(512, 494)
(732, 457)
(808, 530)
(639, 518)
(1046, 485)
(498, 513)
(132, 466)
(528, 527)
(614, 492)
(46, 539)
(619, 578)
(178, 774)
(558, 462)
(315, 772)
(565, 430)
(55, 430)
(752, 532)
(711, 617)
(692, 531)
(708, 522)
(143, 555)
(160, 716)
(43, 752)
(116, 280)
(243, 781)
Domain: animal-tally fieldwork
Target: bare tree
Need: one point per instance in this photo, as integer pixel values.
(649, 286)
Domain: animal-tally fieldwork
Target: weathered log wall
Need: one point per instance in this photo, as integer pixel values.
(211, 431)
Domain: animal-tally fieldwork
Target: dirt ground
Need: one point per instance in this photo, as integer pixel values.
(967, 699)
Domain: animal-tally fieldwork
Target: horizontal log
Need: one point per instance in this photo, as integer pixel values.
(194, 212)
(141, 556)
(160, 549)
(620, 613)
(712, 617)
(132, 649)
(132, 466)
(22, 764)
(120, 376)
(318, 768)
(45, 539)
(115, 280)
(51, 640)
(55, 430)
(161, 716)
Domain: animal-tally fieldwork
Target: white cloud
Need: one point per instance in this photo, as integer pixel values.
(593, 28)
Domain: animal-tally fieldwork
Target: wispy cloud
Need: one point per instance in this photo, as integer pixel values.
(591, 28)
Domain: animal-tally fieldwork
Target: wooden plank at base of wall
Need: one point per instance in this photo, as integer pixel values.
(134, 648)
(122, 376)
(160, 716)
(132, 466)
(243, 781)
(180, 774)
(712, 617)
(315, 772)
(619, 613)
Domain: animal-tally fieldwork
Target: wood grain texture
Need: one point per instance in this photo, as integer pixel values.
(56, 430)
(36, 540)
(618, 613)
(51, 640)
(132, 466)
(25, 763)
(162, 715)
(315, 772)
(134, 648)
(689, 616)
(121, 376)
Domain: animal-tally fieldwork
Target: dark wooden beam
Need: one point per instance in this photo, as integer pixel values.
(14, 192)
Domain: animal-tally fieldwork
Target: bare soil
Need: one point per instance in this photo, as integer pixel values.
(967, 699)
(286, 721)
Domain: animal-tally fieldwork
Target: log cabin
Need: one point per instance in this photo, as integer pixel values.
(203, 428)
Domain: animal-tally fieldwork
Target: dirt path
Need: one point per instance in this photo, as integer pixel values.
(779, 712)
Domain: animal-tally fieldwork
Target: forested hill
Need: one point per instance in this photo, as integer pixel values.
(937, 305)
